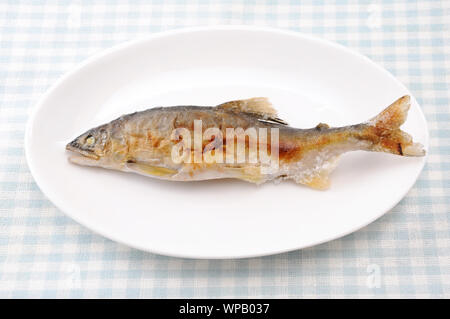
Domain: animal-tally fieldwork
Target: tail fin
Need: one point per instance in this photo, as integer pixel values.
(388, 135)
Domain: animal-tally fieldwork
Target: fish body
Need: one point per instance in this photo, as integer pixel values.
(144, 143)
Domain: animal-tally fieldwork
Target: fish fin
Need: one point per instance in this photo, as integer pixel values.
(257, 106)
(321, 181)
(250, 178)
(319, 177)
(147, 169)
(322, 126)
(385, 130)
(248, 174)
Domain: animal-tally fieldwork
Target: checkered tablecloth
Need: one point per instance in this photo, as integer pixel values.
(43, 253)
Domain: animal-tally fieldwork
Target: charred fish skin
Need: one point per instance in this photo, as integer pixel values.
(142, 142)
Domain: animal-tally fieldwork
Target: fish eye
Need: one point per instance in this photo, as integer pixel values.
(90, 140)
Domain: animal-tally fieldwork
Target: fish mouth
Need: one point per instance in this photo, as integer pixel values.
(78, 153)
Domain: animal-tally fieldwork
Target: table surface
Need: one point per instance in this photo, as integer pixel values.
(43, 253)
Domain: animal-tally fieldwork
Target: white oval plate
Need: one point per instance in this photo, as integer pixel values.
(308, 80)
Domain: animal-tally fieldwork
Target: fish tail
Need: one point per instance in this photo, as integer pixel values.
(385, 133)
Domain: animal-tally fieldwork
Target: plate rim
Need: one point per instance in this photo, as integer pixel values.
(177, 31)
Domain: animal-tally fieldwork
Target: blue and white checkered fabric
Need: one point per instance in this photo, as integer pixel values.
(43, 253)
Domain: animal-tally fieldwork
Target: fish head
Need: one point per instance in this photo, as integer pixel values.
(90, 148)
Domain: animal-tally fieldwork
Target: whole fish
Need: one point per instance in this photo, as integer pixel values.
(144, 143)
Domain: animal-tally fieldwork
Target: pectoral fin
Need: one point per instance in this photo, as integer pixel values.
(146, 169)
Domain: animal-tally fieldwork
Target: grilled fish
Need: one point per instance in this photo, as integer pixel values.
(144, 143)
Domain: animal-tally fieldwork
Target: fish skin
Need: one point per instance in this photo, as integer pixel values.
(141, 142)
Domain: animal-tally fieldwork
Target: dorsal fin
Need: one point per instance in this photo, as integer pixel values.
(257, 106)
(322, 126)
